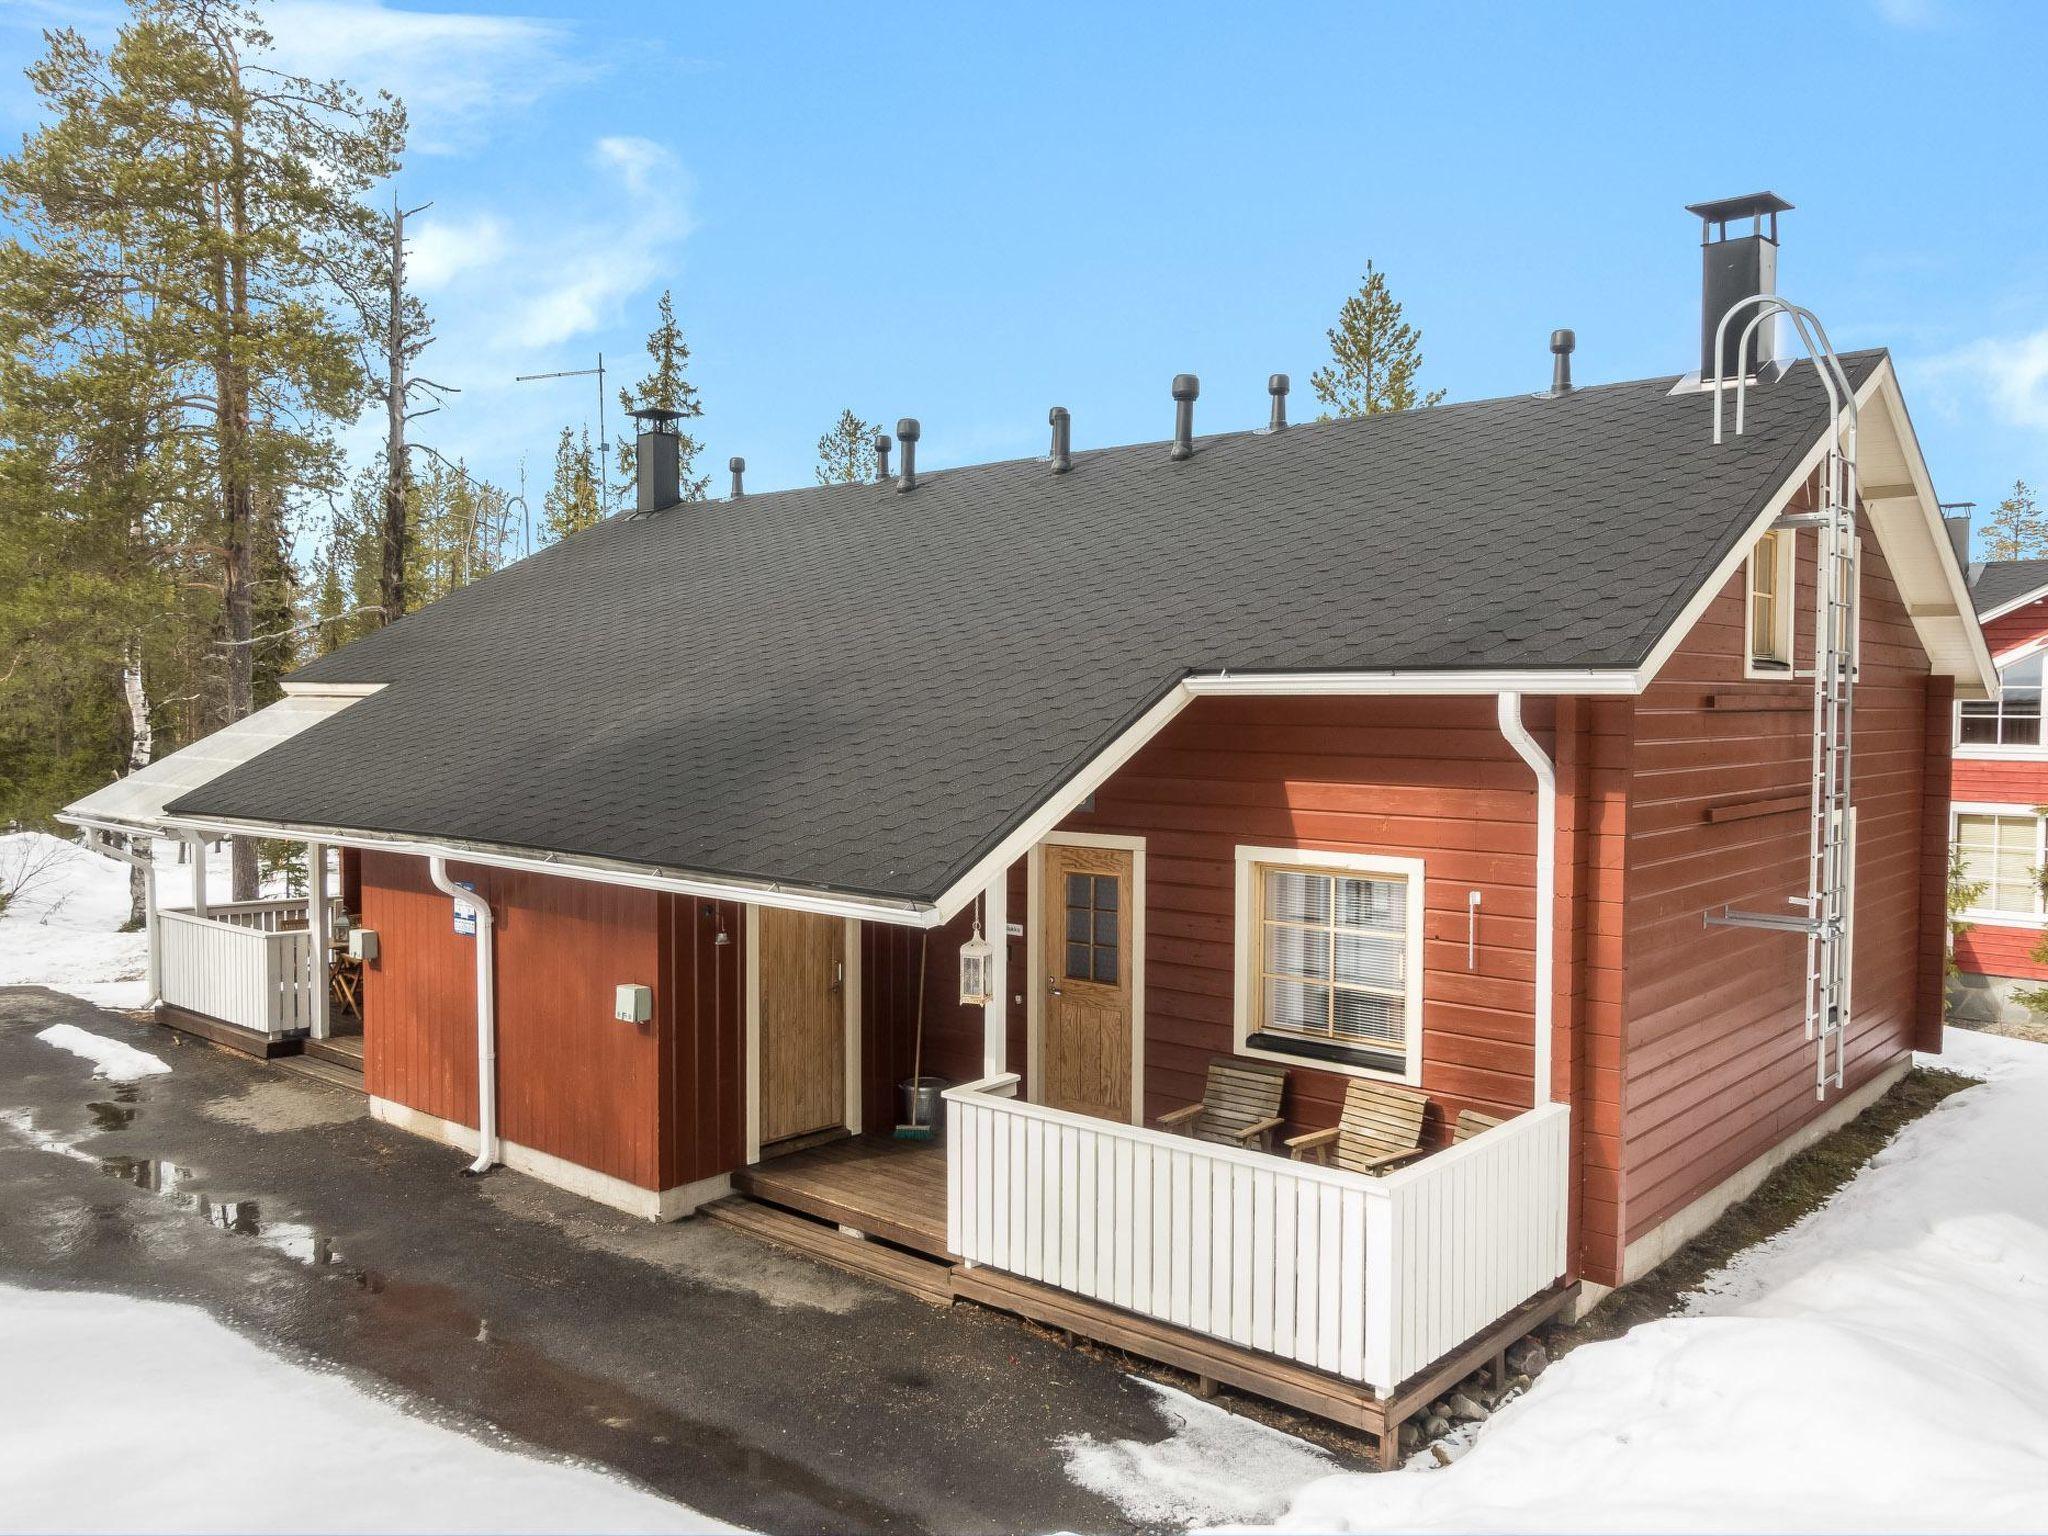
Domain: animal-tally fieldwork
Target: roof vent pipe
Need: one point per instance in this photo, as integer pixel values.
(907, 433)
(1561, 345)
(1062, 439)
(882, 446)
(738, 466)
(1277, 386)
(1185, 389)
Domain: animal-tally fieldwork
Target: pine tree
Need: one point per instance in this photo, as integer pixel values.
(229, 256)
(571, 504)
(1374, 356)
(846, 453)
(666, 388)
(2017, 529)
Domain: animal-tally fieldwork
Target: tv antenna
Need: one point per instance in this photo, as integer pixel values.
(600, 477)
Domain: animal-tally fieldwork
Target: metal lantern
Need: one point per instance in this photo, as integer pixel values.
(977, 957)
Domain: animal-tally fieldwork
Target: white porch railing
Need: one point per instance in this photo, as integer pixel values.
(268, 916)
(1369, 1278)
(239, 972)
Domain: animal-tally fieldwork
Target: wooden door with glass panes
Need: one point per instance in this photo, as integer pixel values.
(1085, 904)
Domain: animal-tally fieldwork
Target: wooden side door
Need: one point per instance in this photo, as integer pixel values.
(803, 1023)
(1086, 903)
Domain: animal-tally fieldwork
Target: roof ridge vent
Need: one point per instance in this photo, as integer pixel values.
(1186, 388)
(1062, 454)
(907, 433)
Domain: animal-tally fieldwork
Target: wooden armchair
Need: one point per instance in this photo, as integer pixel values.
(1240, 1105)
(1471, 1122)
(1380, 1129)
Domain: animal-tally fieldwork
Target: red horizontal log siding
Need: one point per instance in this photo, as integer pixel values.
(1717, 1066)
(1987, 949)
(1417, 778)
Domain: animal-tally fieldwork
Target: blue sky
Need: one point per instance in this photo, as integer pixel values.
(968, 214)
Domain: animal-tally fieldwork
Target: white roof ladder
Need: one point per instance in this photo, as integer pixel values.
(1829, 848)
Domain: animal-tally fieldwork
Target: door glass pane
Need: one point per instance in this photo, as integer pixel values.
(1078, 891)
(1080, 963)
(1077, 924)
(1105, 893)
(1105, 928)
(1105, 966)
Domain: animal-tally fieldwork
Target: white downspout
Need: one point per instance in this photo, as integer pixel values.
(486, 1018)
(1539, 762)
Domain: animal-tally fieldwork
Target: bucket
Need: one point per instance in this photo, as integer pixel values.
(920, 1101)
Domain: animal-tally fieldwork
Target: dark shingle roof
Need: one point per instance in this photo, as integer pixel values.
(1998, 582)
(861, 690)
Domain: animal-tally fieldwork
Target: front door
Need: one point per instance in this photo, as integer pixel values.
(1085, 907)
(803, 1023)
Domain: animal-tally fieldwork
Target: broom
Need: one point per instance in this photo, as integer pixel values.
(913, 1131)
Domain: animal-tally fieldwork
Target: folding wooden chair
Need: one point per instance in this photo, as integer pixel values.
(1471, 1122)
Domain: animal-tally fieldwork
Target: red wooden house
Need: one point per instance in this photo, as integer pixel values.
(1999, 788)
(1469, 751)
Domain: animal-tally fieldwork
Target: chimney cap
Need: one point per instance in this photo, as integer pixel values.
(1722, 209)
(1186, 386)
(907, 429)
(655, 417)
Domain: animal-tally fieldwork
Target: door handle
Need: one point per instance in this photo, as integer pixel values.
(1052, 985)
(839, 976)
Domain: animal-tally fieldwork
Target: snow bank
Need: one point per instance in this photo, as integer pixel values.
(1883, 1365)
(1213, 1466)
(112, 1059)
(122, 1414)
(64, 932)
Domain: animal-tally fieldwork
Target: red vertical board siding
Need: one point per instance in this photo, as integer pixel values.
(572, 1081)
(350, 886)
(1718, 1069)
(702, 1009)
(1934, 820)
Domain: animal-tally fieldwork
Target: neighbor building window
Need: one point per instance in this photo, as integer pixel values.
(2002, 853)
(1770, 602)
(2013, 719)
(1330, 958)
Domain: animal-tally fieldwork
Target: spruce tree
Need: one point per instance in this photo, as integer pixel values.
(1374, 356)
(666, 387)
(846, 453)
(572, 503)
(2017, 529)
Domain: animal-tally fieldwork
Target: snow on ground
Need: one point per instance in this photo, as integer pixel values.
(112, 1059)
(64, 930)
(173, 1415)
(1881, 1366)
(1214, 1466)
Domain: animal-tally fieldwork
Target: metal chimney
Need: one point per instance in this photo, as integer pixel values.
(1733, 268)
(1062, 439)
(1562, 343)
(907, 433)
(738, 466)
(1277, 386)
(657, 461)
(882, 447)
(1185, 389)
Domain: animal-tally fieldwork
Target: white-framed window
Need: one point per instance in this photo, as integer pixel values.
(1772, 569)
(2002, 850)
(2013, 719)
(1329, 960)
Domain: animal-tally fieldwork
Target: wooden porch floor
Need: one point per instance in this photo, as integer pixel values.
(893, 1190)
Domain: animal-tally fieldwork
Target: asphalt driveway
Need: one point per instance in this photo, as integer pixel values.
(754, 1385)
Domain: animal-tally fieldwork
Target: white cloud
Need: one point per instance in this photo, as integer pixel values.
(441, 250)
(454, 71)
(2007, 373)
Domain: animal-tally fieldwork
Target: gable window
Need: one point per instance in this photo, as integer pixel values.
(1770, 602)
(2013, 719)
(1329, 959)
(2002, 852)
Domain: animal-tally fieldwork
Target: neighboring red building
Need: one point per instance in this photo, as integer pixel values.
(1469, 751)
(2000, 789)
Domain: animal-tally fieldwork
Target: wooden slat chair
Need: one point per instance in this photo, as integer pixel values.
(1380, 1129)
(1471, 1122)
(1240, 1105)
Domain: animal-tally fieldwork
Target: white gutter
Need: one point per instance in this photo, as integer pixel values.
(1572, 680)
(1526, 748)
(486, 1017)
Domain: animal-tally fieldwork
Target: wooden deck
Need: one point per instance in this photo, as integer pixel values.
(892, 1190)
(896, 1192)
